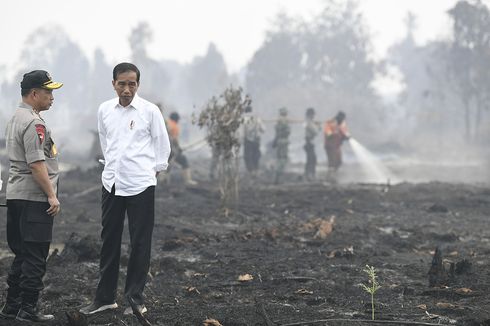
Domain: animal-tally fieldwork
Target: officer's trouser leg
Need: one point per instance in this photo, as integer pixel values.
(141, 217)
(33, 270)
(14, 240)
(28, 235)
(113, 214)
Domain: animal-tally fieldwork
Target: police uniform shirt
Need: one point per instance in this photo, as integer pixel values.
(311, 130)
(29, 140)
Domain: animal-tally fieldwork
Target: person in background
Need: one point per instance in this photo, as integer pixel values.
(178, 156)
(253, 128)
(335, 133)
(32, 200)
(136, 148)
(311, 131)
(281, 143)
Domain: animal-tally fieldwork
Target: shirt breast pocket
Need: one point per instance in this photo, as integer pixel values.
(141, 128)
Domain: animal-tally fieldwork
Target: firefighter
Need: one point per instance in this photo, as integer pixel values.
(177, 155)
(253, 128)
(311, 131)
(281, 143)
(335, 133)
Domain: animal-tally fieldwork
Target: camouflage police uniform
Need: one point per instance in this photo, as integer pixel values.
(29, 226)
(252, 129)
(311, 131)
(281, 143)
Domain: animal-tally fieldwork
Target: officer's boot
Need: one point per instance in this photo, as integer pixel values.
(29, 310)
(12, 304)
(186, 175)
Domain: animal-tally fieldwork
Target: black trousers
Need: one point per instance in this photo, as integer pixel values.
(310, 166)
(141, 215)
(178, 156)
(251, 154)
(29, 233)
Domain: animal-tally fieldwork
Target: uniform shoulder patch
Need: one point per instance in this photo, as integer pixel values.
(41, 132)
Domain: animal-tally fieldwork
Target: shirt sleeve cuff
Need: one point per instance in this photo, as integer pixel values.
(35, 156)
(161, 167)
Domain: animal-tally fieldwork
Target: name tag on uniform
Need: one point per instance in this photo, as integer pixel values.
(54, 150)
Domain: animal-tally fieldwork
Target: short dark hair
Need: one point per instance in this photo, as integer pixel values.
(125, 67)
(174, 116)
(340, 116)
(24, 92)
(310, 112)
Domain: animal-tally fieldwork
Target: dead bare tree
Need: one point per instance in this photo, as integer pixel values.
(222, 118)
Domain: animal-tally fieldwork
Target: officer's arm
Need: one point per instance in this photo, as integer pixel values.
(40, 175)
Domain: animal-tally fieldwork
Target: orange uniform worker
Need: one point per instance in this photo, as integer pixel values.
(335, 132)
(177, 155)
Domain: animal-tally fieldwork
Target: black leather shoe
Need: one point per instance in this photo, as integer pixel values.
(32, 314)
(9, 312)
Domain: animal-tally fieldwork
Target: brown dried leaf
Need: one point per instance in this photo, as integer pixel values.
(463, 290)
(272, 234)
(325, 228)
(303, 292)
(345, 252)
(245, 278)
(192, 289)
(422, 306)
(211, 322)
(199, 275)
(431, 316)
(445, 305)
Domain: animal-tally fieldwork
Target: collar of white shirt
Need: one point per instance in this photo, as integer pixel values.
(136, 103)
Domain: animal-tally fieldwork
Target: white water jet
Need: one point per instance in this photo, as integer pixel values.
(374, 169)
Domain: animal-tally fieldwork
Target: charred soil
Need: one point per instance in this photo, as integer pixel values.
(299, 248)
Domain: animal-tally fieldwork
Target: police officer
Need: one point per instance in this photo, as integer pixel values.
(32, 199)
(311, 131)
(252, 130)
(281, 143)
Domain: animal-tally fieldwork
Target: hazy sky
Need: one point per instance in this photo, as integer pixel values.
(183, 29)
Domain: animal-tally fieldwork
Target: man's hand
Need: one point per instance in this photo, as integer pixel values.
(54, 206)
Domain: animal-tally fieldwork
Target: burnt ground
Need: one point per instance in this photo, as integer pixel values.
(299, 274)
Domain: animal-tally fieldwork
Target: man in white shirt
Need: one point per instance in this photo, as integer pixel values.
(136, 148)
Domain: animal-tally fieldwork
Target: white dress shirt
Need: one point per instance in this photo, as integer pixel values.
(135, 145)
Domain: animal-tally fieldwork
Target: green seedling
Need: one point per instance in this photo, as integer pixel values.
(372, 287)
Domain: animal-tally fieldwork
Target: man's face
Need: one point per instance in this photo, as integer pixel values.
(126, 85)
(43, 98)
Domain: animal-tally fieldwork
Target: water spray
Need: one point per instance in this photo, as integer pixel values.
(374, 169)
